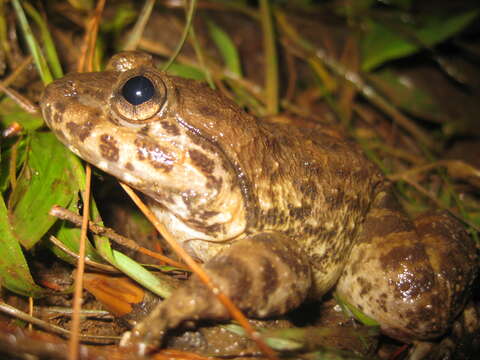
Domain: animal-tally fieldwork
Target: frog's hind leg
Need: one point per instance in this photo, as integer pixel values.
(264, 275)
(413, 278)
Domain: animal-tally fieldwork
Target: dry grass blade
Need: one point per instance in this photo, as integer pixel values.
(197, 269)
(74, 340)
(134, 36)
(18, 314)
(190, 13)
(89, 46)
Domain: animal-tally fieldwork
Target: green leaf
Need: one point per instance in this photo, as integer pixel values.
(186, 71)
(125, 14)
(11, 112)
(226, 47)
(138, 273)
(19, 147)
(381, 43)
(14, 272)
(47, 179)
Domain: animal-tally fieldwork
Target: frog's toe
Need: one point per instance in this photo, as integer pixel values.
(145, 337)
(142, 342)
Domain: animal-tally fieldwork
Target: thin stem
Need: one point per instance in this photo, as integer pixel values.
(74, 341)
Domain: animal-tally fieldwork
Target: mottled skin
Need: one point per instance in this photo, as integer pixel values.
(278, 213)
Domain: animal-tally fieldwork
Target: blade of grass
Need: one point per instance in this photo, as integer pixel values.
(226, 47)
(190, 13)
(74, 340)
(14, 272)
(50, 51)
(201, 58)
(134, 36)
(89, 46)
(38, 57)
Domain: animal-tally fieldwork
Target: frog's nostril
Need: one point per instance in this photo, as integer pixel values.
(138, 90)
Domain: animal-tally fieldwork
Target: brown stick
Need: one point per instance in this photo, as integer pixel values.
(65, 214)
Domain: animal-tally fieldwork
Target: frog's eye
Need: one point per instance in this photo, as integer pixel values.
(138, 96)
(138, 90)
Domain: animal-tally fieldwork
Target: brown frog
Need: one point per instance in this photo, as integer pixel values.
(278, 213)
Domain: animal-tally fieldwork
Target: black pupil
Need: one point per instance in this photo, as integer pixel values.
(138, 90)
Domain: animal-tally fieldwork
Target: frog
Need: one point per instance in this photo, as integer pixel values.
(279, 214)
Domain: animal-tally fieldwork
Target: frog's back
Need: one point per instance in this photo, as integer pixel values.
(315, 186)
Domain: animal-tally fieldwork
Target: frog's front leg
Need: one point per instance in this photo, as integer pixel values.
(264, 275)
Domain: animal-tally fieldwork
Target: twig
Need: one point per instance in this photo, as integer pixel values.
(21, 100)
(94, 264)
(18, 314)
(70, 216)
(74, 341)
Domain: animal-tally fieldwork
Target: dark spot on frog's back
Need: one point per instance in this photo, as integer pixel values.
(335, 198)
(209, 111)
(401, 254)
(108, 148)
(202, 161)
(129, 166)
(309, 190)
(299, 213)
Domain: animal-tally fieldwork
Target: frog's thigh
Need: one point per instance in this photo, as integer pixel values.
(264, 275)
(411, 277)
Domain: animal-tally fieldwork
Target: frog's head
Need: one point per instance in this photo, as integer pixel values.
(173, 139)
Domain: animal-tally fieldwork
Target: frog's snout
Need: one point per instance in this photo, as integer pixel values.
(51, 105)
